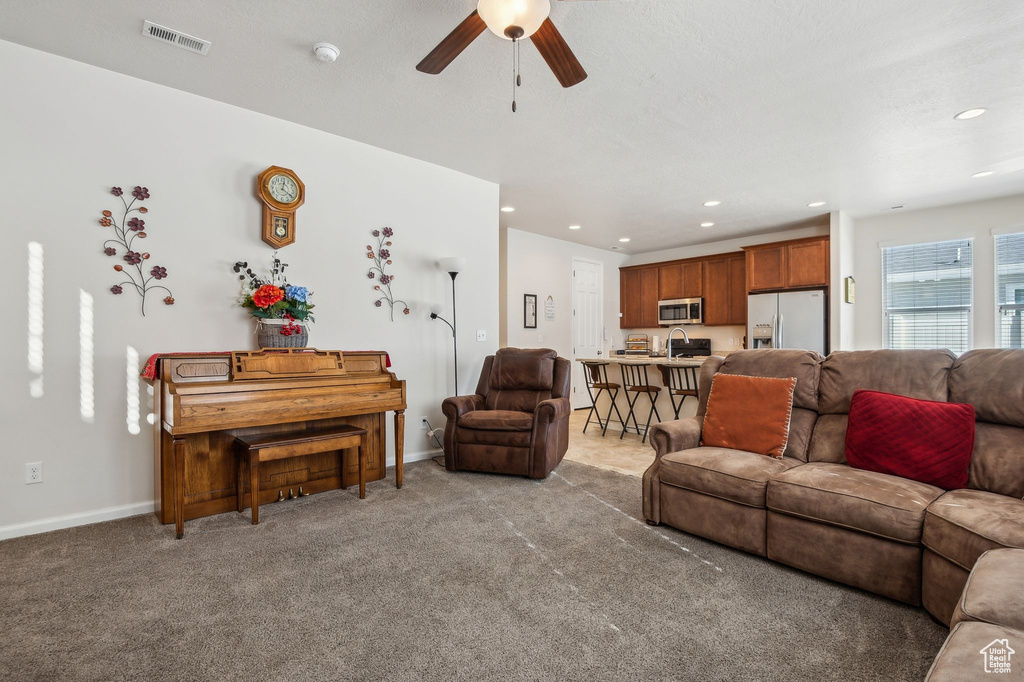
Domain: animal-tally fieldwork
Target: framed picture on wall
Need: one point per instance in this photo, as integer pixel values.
(530, 311)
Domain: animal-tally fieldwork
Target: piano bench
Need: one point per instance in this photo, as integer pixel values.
(251, 450)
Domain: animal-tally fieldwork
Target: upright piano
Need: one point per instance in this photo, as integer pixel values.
(203, 401)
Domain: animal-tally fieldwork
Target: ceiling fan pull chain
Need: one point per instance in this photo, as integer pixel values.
(519, 63)
(515, 73)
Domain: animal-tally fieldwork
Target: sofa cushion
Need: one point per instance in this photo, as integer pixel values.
(803, 365)
(922, 440)
(920, 374)
(997, 464)
(990, 379)
(961, 657)
(963, 524)
(733, 475)
(995, 590)
(497, 420)
(523, 369)
(749, 413)
(887, 506)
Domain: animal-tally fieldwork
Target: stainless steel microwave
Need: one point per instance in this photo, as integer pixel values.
(681, 311)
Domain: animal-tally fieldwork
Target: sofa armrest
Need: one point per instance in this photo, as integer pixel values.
(674, 436)
(552, 410)
(456, 406)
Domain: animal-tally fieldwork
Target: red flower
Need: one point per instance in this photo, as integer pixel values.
(135, 224)
(406, 311)
(116, 191)
(140, 193)
(106, 222)
(158, 272)
(132, 258)
(116, 289)
(169, 300)
(267, 295)
(110, 251)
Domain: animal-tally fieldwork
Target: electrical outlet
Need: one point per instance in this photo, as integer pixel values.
(33, 472)
(481, 335)
(423, 423)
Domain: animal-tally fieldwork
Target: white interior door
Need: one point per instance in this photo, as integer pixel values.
(587, 322)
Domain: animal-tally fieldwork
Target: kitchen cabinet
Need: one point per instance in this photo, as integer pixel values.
(649, 297)
(795, 264)
(629, 299)
(681, 280)
(725, 291)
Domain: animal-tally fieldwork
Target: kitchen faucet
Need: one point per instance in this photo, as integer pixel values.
(686, 338)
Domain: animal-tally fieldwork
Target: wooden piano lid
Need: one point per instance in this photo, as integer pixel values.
(287, 363)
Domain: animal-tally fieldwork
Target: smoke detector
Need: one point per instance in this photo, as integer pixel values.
(325, 52)
(176, 38)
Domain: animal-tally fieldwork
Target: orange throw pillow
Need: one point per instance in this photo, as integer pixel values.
(749, 413)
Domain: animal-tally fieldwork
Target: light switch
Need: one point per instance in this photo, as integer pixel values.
(540, 338)
(481, 334)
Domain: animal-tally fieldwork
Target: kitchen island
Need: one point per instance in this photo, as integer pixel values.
(655, 376)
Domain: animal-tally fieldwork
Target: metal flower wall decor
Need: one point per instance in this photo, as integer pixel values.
(126, 231)
(381, 257)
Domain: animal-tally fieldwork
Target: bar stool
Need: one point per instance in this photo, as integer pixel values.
(596, 374)
(682, 382)
(635, 379)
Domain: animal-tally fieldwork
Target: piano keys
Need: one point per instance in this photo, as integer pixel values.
(204, 401)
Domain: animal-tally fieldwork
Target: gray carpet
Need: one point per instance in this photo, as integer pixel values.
(454, 577)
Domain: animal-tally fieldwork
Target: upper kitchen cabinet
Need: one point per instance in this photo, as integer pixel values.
(681, 280)
(725, 295)
(638, 297)
(629, 299)
(795, 264)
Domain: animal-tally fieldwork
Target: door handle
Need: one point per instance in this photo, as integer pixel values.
(782, 330)
(775, 330)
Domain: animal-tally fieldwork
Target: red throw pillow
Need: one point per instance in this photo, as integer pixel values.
(749, 413)
(922, 440)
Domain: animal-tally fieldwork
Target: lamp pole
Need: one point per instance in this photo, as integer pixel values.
(455, 336)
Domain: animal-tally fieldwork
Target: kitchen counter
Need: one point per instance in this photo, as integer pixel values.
(645, 360)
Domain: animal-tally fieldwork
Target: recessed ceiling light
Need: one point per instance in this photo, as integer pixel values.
(713, 202)
(969, 114)
(816, 204)
(574, 227)
(507, 209)
(624, 239)
(707, 224)
(983, 174)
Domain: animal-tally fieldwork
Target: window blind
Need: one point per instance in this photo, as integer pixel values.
(926, 291)
(1010, 288)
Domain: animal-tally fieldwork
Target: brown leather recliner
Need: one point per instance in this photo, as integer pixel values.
(518, 420)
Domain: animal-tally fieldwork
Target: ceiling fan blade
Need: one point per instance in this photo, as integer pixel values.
(556, 53)
(452, 46)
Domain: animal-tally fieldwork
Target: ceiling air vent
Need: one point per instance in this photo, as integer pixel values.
(176, 38)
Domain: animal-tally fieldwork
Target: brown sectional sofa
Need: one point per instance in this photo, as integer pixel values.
(896, 537)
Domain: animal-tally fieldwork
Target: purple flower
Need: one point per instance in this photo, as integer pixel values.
(116, 289)
(388, 232)
(158, 272)
(116, 191)
(385, 254)
(140, 193)
(376, 233)
(384, 279)
(370, 274)
(135, 224)
(110, 251)
(377, 303)
(133, 258)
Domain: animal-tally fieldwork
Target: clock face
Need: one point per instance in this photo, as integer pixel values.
(283, 189)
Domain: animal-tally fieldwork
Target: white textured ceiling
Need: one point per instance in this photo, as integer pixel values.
(764, 104)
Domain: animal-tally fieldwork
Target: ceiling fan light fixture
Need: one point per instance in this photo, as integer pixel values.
(504, 16)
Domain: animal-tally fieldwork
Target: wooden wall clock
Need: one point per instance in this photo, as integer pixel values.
(282, 193)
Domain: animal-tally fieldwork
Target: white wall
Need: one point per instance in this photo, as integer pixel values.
(841, 314)
(975, 220)
(728, 337)
(534, 264)
(70, 132)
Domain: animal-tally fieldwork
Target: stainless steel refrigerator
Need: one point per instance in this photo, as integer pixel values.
(795, 319)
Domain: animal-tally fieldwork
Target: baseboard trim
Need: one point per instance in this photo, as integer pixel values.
(72, 520)
(18, 530)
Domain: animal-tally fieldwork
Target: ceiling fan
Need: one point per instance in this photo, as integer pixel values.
(512, 20)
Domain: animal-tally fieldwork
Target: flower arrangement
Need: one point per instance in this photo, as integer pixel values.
(275, 298)
(381, 257)
(126, 231)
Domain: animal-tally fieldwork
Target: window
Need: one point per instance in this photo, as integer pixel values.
(926, 292)
(1010, 288)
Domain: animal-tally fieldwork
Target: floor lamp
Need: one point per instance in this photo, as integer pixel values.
(453, 266)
